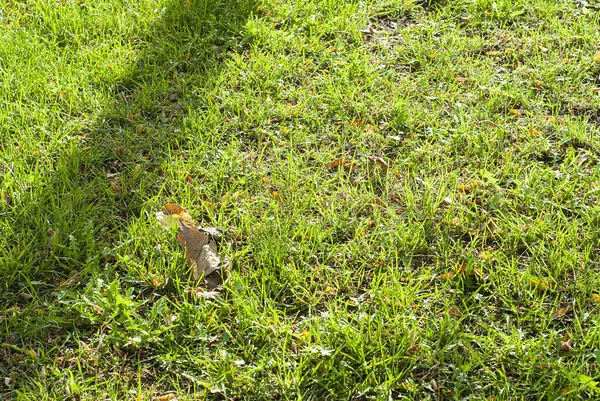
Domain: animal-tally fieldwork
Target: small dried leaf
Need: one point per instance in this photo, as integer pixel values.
(379, 161)
(596, 298)
(454, 311)
(566, 343)
(32, 354)
(276, 195)
(560, 313)
(7, 381)
(339, 163)
(115, 187)
(175, 215)
(329, 290)
(166, 220)
(446, 276)
(167, 397)
(597, 56)
(540, 284)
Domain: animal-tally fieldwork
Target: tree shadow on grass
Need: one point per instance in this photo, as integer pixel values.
(103, 181)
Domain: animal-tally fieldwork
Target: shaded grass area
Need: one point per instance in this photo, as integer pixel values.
(460, 264)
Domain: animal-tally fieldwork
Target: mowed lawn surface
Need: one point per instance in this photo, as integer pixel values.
(409, 196)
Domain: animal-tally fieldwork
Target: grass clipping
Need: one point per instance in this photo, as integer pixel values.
(200, 247)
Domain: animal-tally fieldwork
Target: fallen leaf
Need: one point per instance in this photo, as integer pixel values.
(175, 215)
(560, 313)
(200, 293)
(446, 276)
(201, 252)
(329, 290)
(32, 354)
(566, 343)
(540, 284)
(215, 233)
(166, 397)
(596, 298)
(276, 195)
(7, 381)
(597, 56)
(454, 311)
(463, 188)
(115, 187)
(515, 112)
(339, 163)
(379, 161)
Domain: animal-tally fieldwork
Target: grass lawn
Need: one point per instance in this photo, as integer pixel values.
(409, 196)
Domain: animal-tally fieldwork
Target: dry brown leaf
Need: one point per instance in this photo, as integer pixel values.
(201, 252)
(560, 313)
(379, 161)
(454, 311)
(115, 187)
(175, 215)
(446, 276)
(167, 397)
(339, 163)
(566, 343)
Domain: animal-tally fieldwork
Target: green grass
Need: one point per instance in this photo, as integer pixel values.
(456, 273)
